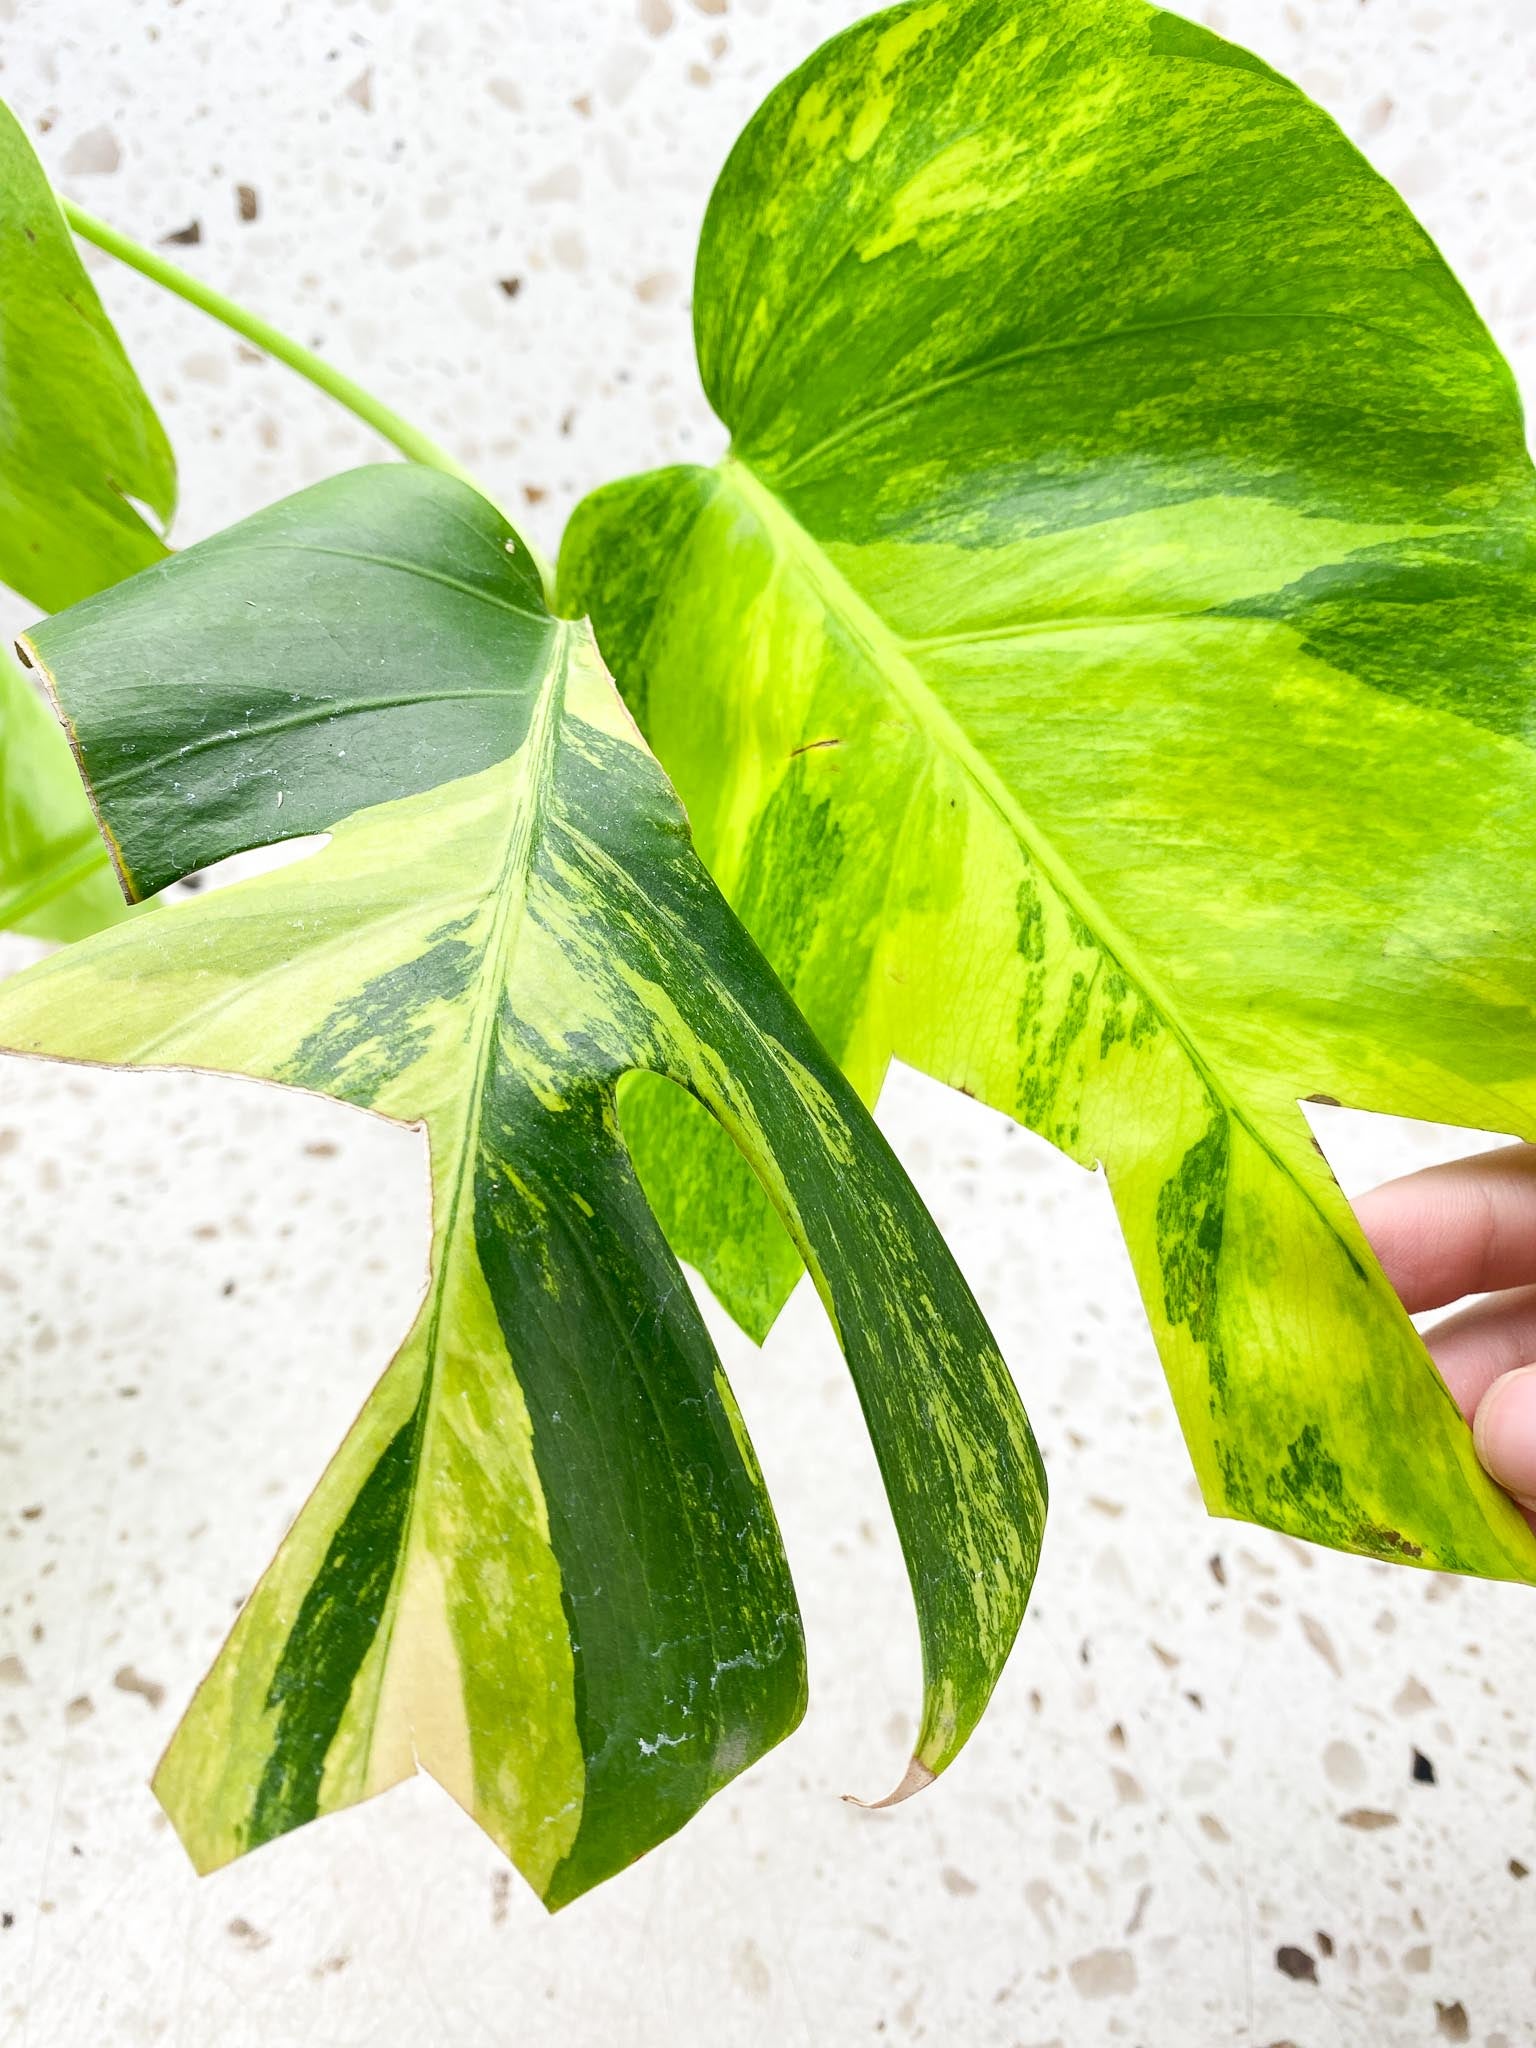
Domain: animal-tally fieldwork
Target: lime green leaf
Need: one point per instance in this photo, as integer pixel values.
(56, 881)
(1101, 675)
(543, 1564)
(78, 436)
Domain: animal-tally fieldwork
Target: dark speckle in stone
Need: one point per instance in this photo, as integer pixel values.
(1423, 1769)
(1296, 1964)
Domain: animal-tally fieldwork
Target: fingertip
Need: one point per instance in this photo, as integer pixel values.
(1504, 1430)
(1466, 1378)
(1466, 1227)
(1379, 1211)
(1401, 1225)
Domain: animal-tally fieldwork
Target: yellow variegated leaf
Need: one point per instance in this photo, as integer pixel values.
(543, 1564)
(1101, 675)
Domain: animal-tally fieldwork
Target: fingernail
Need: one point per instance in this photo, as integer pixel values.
(1504, 1430)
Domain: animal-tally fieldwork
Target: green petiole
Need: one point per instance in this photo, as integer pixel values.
(411, 442)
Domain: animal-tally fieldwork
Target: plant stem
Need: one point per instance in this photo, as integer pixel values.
(367, 408)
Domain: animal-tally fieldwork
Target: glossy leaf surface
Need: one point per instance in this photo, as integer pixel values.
(543, 1564)
(1101, 675)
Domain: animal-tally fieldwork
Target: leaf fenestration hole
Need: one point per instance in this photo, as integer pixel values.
(258, 860)
(802, 1417)
(157, 525)
(1366, 1147)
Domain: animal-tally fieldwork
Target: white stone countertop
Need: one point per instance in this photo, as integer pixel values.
(1212, 1744)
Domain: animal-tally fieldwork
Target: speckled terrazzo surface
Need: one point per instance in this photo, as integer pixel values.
(1231, 1791)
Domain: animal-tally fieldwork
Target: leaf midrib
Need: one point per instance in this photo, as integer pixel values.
(892, 658)
(423, 571)
(526, 808)
(152, 767)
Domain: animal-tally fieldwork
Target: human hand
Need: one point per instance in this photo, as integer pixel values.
(1470, 1228)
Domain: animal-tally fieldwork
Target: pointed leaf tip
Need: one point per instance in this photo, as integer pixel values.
(916, 1778)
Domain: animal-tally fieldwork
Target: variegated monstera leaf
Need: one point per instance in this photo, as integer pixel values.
(543, 1563)
(1101, 674)
(79, 441)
